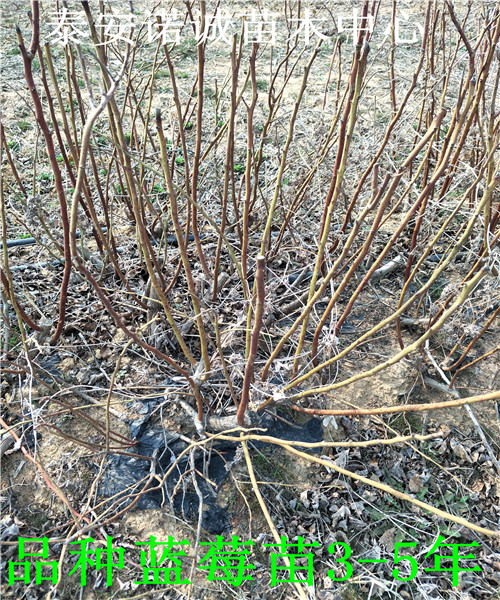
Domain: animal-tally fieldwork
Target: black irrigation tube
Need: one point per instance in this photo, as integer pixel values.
(20, 242)
(171, 239)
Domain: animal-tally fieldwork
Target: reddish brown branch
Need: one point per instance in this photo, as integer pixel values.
(10, 294)
(254, 341)
(40, 117)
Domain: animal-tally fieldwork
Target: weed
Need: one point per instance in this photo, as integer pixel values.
(13, 145)
(15, 335)
(405, 423)
(239, 168)
(382, 116)
(179, 160)
(44, 177)
(187, 47)
(272, 465)
(436, 291)
(24, 126)
(208, 92)
(443, 132)
(262, 85)
(13, 341)
(161, 74)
